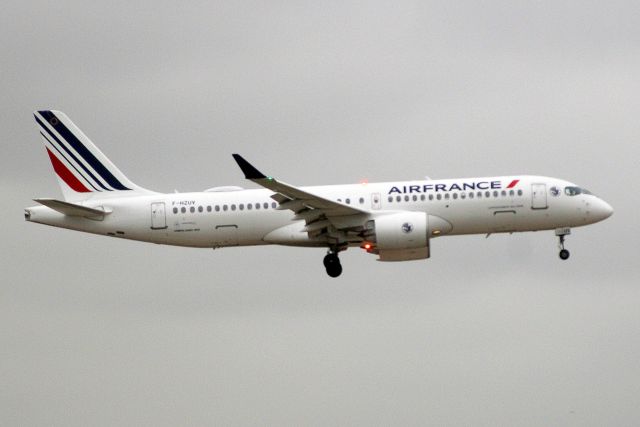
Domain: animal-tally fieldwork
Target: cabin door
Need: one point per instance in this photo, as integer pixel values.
(158, 216)
(539, 196)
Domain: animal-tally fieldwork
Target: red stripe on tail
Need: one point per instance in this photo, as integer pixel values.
(66, 174)
(513, 183)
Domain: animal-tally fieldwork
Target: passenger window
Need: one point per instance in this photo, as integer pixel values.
(422, 197)
(249, 206)
(274, 205)
(217, 208)
(512, 193)
(200, 209)
(225, 208)
(257, 205)
(208, 208)
(519, 192)
(495, 193)
(406, 198)
(390, 199)
(398, 199)
(504, 193)
(192, 209)
(471, 195)
(233, 207)
(265, 205)
(361, 200)
(430, 196)
(415, 198)
(463, 195)
(455, 196)
(439, 197)
(175, 210)
(479, 194)
(348, 201)
(183, 209)
(487, 194)
(241, 206)
(446, 196)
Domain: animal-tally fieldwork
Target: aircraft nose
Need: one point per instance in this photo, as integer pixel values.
(602, 210)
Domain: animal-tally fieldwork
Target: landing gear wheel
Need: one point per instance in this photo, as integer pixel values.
(335, 270)
(332, 264)
(561, 233)
(330, 259)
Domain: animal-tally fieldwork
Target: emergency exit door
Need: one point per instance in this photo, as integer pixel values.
(376, 201)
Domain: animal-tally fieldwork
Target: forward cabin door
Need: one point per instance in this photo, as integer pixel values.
(539, 196)
(158, 216)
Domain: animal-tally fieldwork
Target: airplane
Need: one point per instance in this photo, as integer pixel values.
(394, 220)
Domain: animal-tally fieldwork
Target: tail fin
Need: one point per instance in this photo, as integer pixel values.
(83, 171)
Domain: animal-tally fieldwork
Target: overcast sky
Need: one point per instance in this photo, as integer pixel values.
(497, 331)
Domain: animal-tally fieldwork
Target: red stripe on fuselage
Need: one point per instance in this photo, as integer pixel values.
(66, 174)
(513, 183)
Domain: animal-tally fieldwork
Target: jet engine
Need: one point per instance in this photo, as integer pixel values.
(404, 236)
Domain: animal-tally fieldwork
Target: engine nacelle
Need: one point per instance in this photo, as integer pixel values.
(406, 230)
(405, 236)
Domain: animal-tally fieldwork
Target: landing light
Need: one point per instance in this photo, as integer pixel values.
(436, 232)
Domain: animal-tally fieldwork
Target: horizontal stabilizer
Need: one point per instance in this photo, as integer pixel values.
(71, 209)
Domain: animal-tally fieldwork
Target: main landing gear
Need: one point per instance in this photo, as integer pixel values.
(561, 233)
(332, 264)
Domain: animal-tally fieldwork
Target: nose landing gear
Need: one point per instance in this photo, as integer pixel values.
(332, 264)
(561, 233)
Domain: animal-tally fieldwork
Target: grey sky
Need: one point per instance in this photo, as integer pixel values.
(488, 331)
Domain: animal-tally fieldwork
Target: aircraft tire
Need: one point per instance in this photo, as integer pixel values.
(334, 270)
(564, 254)
(330, 260)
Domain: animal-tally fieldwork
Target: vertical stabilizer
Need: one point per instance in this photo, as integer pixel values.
(83, 171)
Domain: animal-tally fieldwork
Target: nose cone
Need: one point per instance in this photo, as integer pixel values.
(602, 210)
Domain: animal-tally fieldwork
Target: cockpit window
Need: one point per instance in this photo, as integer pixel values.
(574, 191)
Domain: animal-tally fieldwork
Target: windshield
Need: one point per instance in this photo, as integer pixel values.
(574, 191)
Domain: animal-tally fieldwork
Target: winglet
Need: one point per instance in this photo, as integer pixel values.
(250, 172)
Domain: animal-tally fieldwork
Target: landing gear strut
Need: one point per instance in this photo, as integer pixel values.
(332, 264)
(561, 233)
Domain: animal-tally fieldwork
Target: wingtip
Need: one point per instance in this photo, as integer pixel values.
(250, 172)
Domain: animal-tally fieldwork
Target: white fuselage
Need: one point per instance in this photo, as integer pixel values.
(215, 219)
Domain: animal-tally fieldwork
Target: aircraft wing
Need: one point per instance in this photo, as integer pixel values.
(318, 212)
